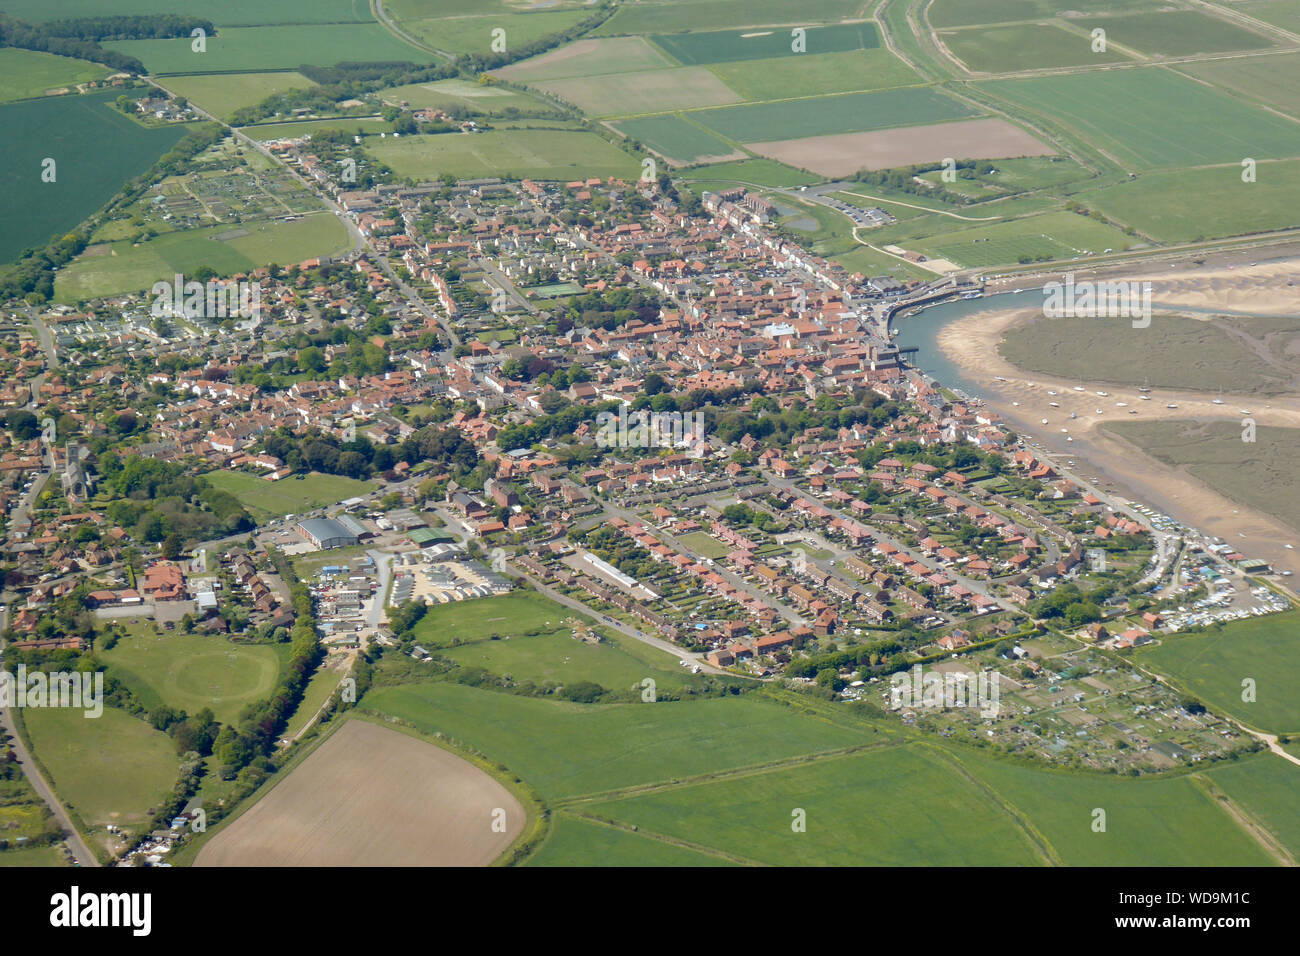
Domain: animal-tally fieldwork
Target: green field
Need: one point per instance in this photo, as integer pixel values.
(962, 13)
(1263, 475)
(510, 153)
(727, 46)
(474, 34)
(823, 115)
(1151, 117)
(894, 807)
(589, 58)
(95, 148)
(360, 126)
(33, 856)
(1175, 32)
(191, 671)
(1281, 13)
(110, 769)
(1024, 47)
(293, 495)
(229, 13)
(675, 138)
(563, 750)
(223, 93)
(1060, 235)
(652, 91)
(245, 49)
(669, 16)
(1212, 665)
(705, 544)
(575, 842)
(450, 94)
(124, 267)
(815, 75)
(1265, 787)
(516, 613)
(1155, 204)
(759, 172)
(1273, 80)
(27, 73)
(322, 684)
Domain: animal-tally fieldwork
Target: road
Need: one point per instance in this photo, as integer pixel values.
(75, 842)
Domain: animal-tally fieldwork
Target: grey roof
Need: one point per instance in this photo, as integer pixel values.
(324, 528)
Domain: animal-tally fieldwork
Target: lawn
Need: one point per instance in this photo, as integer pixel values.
(95, 149)
(221, 94)
(293, 495)
(110, 769)
(517, 613)
(33, 856)
(1058, 235)
(563, 749)
(728, 46)
(228, 248)
(900, 806)
(575, 842)
(249, 49)
(1212, 666)
(1148, 118)
(192, 671)
(26, 73)
(823, 115)
(705, 544)
(540, 154)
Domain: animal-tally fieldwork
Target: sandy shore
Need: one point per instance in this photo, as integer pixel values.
(1023, 399)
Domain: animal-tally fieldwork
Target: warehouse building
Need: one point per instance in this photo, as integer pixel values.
(326, 533)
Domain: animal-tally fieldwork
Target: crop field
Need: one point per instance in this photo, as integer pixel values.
(563, 750)
(514, 614)
(843, 154)
(474, 34)
(510, 153)
(1175, 32)
(677, 139)
(191, 671)
(653, 91)
(95, 148)
(223, 93)
(1148, 118)
(293, 495)
(447, 94)
(1261, 475)
(1273, 80)
(1280, 13)
(132, 268)
(245, 49)
(1156, 204)
(28, 73)
(589, 58)
(371, 796)
(823, 115)
(726, 46)
(672, 16)
(964, 13)
(1173, 352)
(761, 172)
(576, 842)
(1213, 664)
(113, 768)
(816, 74)
(235, 13)
(1060, 235)
(893, 807)
(1265, 787)
(1024, 47)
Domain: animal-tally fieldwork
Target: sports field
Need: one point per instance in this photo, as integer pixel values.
(27, 73)
(1148, 118)
(223, 93)
(542, 154)
(114, 768)
(192, 671)
(244, 49)
(293, 495)
(371, 796)
(95, 150)
(677, 139)
(1214, 664)
(726, 46)
(823, 115)
(228, 249)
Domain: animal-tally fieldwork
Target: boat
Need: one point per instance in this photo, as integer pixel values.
(1218, 401)
(1055, 404)
(1171, 405)
(972, 295)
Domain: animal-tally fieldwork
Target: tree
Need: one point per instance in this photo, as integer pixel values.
(172, 546)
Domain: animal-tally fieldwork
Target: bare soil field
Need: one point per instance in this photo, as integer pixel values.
(371, 796)
(842, 154)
